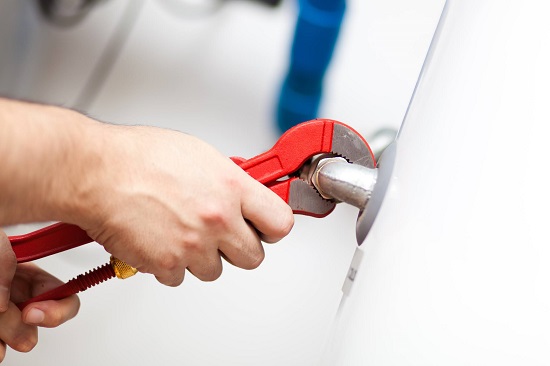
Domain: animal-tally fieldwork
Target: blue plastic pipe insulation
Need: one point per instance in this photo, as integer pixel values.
(315, 37)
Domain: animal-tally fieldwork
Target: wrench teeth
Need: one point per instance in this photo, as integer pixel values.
(339, 155)
(356, 149)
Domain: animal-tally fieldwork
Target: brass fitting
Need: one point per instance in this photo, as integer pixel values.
(122, 270)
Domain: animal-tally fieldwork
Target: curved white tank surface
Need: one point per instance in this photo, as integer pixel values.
(456, 268)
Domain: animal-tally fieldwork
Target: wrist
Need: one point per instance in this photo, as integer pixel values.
(56, 162)
(81, 180)
(40, 146)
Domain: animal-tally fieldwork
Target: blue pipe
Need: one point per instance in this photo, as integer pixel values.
(315, 37)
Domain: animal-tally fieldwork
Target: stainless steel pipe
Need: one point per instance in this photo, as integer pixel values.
(337, 179)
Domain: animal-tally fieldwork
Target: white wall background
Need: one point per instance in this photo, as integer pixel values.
(217, 78)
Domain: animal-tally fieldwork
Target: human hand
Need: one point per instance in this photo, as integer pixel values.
(163, 201)
(21, 282)
(157, 199)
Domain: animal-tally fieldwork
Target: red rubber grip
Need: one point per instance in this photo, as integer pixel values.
(47, 241)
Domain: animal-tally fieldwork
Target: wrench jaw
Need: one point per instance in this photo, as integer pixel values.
(305, 200)
(348, 143)
(294, 155)
(303, 197)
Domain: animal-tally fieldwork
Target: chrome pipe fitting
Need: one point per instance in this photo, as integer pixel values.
(339, 180)
(344, 182)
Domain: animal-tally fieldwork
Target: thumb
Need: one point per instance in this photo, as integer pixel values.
(8, 263)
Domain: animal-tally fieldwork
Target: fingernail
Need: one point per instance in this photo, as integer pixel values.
(35, 316)
(4, 298)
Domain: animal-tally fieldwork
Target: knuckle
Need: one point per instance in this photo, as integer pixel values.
(7, 256)
(192, 245)
(233, 182)
(170, 263)
(55, 319)
(171, 280)
(215, 214)
(171, 269)
(176, 281)
(210, 274)
(255, 260)
(25, 341)
(287, 224)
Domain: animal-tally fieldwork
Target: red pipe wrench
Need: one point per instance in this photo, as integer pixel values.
(277, 168)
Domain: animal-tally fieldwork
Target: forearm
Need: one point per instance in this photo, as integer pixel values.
(157, 199)
(44, 154)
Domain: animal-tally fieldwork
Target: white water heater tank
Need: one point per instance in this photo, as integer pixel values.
(456, 266)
